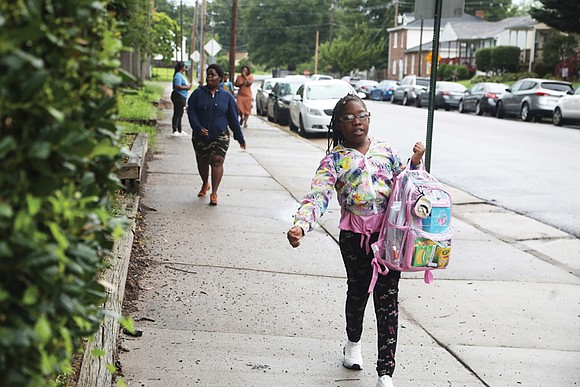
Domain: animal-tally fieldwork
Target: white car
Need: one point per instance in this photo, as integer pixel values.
(312, 105)
(568, 109)
(320, 77)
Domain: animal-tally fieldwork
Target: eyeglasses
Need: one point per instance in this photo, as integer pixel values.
(351, 117)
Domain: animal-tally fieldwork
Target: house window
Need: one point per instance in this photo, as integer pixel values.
(396, 36)
(394, 67)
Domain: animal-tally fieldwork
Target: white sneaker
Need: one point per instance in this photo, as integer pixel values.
(175, 134)
(184, 133)
(385, 381)
(353, 356)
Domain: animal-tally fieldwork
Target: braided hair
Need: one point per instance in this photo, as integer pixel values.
(334, 135)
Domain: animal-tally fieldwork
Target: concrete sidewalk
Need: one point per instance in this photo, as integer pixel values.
(227, 301)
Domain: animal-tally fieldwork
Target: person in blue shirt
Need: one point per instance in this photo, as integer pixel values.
(211, 110)
(179, 98)
(227, 85)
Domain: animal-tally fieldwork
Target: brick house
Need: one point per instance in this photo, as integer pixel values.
(459, 39)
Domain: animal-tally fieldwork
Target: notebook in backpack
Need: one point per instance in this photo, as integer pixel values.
(415, 234)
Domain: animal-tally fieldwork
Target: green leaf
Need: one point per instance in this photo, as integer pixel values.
(5, 210)
(97, 352)
(58, 235)
(111, 368)
(30, 296)
(34, 204)
(42, 329)
(7, 144)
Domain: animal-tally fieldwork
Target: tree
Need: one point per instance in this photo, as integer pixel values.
(493, 10)
(353, 50)
(560, 15)
(483, 59)
(164, 36)
(283, 33)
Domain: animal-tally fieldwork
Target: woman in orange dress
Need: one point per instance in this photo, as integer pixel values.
(244, 82)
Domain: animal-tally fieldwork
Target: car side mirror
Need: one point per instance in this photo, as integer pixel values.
(570, 92)
(297, 98)
(508, 90)
(361, 95)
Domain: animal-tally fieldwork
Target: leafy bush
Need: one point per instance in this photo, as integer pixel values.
(450, 72)
(58, 148)
(505, 58)
(483, 60)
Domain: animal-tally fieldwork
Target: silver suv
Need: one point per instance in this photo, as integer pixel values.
(531, 98)
(408, 89)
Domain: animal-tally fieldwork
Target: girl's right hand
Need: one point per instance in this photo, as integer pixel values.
(294, 235)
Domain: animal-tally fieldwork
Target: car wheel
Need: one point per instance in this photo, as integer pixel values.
(291, 125)
(557, 117)
(270, 118)
(525, 113)
(301, 130)
(460, 107)
(405, 100)
(393, 100)
(478, 110)
(499, 113)
(418, 102)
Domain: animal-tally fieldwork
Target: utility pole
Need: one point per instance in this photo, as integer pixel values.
(181, 30)
(316, 54)
(396, 13)
(233, 40)
(202, 68)
(193, 42)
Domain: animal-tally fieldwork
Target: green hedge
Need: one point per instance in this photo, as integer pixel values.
(58, 149)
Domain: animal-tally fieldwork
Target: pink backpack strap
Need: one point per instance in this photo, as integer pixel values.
(377, 268)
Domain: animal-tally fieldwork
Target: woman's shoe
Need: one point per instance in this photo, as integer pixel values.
(203, 191)
(213, 199)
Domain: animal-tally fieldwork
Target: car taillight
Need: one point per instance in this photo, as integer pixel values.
(444, 93)
(542, 94)
(491, 95)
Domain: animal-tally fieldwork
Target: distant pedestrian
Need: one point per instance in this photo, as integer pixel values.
(361, 169)
(244, 82)
(179, 98)
(211, 110)
(227, 85)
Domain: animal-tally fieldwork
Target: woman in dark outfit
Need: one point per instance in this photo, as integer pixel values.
(211, 110)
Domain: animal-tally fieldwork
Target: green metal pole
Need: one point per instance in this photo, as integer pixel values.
(434, 65)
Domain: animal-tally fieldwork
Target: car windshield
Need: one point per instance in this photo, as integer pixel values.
(289, 88)
(497, 88)
(327, 92)
(449, 86)
(557, 86)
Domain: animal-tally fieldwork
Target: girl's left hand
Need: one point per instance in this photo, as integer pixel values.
(418, 152)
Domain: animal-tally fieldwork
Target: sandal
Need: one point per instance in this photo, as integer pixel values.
(213, 199)
(203, 191)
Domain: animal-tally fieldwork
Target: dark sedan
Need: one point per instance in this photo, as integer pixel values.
(447, 95)
(482, 98)
(383, 91)
(278, 106)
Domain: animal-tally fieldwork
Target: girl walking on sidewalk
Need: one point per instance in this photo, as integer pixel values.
(211, 110)
(361, 169)
(179, 98)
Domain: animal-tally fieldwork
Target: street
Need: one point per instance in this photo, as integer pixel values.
(521, 166)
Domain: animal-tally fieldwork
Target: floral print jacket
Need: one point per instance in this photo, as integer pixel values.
(363, 182)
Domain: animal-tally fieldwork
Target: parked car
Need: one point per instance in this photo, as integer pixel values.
(482, 98)
(568, 109)
(408, 89)
(351, 80)
(383, 91)
(262, 95)
(279, 99)
(365, 86)
(320, 77)
(447, 95)
(531, 98)
(311, 107)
